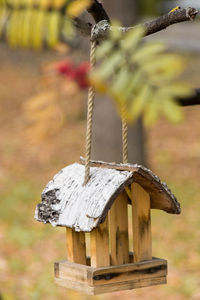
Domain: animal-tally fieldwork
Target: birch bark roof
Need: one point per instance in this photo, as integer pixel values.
(67, 202)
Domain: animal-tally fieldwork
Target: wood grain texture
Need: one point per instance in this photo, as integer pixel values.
(75, 285)
(128, 285)
(121, 273)
(108, 279)
(76, 246)
(161, 196)
(114, 287)
(66, 202)
(118, 231)
(71, 271)
(142, 244)
(99, 245)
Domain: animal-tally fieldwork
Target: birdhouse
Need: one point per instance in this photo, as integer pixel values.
(103, 262)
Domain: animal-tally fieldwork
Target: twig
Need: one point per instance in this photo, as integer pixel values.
(180, 15)
(83, 27)
(156, 25)
(98, 12)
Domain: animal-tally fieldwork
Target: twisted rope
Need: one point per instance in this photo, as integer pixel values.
(125, 145)
(124, 135)
(91, 95)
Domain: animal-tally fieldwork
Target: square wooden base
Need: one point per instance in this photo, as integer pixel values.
(110, 279)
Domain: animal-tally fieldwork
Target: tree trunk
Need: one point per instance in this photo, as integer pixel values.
(107, 139)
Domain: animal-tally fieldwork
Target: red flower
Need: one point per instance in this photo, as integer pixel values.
(82, 75)
(79, 74)
(64, 67)
(83, 68)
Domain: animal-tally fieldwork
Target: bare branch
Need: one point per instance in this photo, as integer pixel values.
(180, 15)
(98, 12)
(82, 26)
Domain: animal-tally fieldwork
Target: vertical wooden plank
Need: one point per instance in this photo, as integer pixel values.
(76, 247)
(99, 245)
(118, 225)
(142, 244)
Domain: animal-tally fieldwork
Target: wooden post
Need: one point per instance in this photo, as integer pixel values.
(99, 245)
(76, 246)
(142, 244)
(118, 225)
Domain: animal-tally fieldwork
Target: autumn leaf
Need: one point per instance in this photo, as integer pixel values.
(76, 7)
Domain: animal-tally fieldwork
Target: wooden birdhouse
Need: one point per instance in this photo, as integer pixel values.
(103, 262)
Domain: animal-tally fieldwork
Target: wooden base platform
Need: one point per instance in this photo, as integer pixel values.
(101, 280)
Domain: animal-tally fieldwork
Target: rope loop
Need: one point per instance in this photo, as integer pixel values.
(90, 109)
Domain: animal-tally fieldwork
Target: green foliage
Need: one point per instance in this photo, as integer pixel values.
(33, 23)
(139, 76)
(16, 204)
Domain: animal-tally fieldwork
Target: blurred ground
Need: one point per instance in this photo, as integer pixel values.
(28, 249)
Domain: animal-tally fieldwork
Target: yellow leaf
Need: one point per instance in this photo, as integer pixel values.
(59, 3)
(77, 7)
(147, 52)
(115, 33)
(173, 112)
(100, 85)
(139, 102)
(177, 90)
(132, 38)
(151, 112)
(53, 27)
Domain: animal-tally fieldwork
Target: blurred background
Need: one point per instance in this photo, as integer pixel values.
(42, 129)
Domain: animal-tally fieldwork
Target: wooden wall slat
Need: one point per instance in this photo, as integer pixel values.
(99, 245)
(118, 226)
(142, 244)
(76, 246)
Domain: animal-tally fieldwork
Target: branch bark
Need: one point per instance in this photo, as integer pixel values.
(98, 12)
(83, 27)
(156, 25)
(180, 15)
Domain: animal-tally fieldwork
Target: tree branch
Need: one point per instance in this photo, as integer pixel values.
(82, 26)
(98, 12)
(180, 15)
(192, 100)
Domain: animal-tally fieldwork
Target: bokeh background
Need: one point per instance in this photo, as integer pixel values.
(42, 129)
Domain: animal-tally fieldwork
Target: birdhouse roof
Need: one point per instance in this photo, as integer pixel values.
(67, 202)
